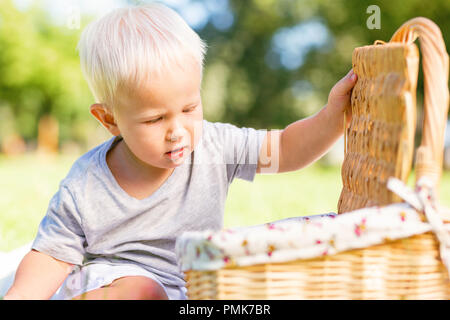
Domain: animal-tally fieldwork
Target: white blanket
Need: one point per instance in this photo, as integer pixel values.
(9, 261)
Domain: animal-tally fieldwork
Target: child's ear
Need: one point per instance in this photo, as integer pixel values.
(105, 117)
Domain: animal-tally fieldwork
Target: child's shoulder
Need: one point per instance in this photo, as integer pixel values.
(215, 132)
(219, 129)
(216, 125)
(224, 132)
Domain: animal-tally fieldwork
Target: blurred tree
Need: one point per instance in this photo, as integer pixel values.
(40, 74)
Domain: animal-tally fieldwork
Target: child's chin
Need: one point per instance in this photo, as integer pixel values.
(170, 164)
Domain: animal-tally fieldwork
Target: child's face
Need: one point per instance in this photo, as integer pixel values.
(162, 115)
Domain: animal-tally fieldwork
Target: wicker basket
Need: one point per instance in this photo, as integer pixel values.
(379, 145)
(404, 269)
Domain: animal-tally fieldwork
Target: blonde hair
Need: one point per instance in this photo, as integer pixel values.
(130, 45)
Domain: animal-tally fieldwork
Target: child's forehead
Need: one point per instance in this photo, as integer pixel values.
(170, 87)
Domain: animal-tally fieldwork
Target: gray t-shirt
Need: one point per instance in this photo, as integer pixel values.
(91, 219)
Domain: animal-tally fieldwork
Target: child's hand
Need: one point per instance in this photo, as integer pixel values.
(339, 97)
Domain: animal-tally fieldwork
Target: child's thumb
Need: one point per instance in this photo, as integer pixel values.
(351, 75)
(346, 83)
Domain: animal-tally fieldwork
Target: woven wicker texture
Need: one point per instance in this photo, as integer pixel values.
(404, 269)
(380, 138)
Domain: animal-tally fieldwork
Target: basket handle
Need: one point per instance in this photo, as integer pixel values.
(429, 155)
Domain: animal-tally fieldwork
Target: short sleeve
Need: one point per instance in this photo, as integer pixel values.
(241, 148)
(60, 234)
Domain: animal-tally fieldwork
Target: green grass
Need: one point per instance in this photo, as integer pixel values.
(27, 184)
(313, 190)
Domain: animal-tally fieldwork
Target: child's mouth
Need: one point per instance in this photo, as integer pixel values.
(175, 154)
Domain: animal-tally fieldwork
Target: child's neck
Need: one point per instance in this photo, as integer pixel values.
(136, 178)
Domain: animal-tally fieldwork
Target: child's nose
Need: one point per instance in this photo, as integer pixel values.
(175, 135)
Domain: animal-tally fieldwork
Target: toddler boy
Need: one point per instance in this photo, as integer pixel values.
(110, 230)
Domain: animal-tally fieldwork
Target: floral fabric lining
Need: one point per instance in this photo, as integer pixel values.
(301, 238)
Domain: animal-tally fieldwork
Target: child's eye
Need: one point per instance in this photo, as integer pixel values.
(153, 120)
(190, 109)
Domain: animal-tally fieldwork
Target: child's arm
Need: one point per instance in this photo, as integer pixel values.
(38, 277)
(304, 141)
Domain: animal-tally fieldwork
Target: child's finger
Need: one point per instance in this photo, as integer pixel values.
(346, 84)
